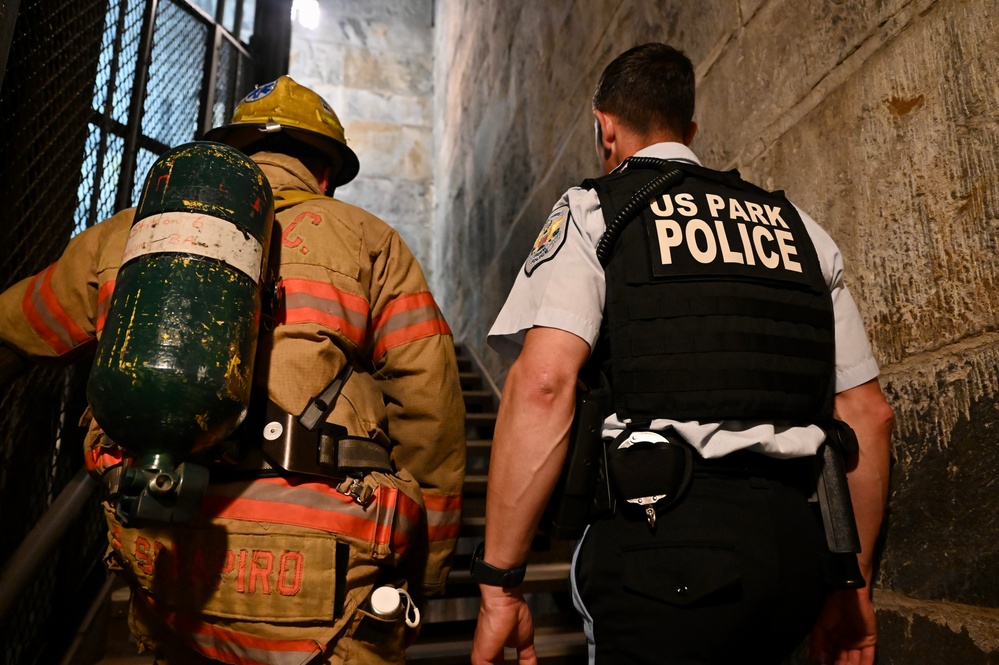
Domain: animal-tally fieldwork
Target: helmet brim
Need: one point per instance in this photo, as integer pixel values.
(343, 160)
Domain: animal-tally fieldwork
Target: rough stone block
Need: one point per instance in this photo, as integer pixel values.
(913, 632)
(406, 74)
(406, 205)
(940, 535)
(376, 34)
(385, 108)
(315, 62)
(391, 151)
(785, 50)
(909, 191)
(414, 12)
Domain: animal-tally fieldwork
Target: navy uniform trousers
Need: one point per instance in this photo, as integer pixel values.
(736, 572)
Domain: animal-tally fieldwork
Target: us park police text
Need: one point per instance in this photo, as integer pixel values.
(764, 236)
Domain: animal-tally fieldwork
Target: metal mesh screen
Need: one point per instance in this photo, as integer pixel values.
(77, 129)
(234, 79)
(50, 69)
(112, 95)
(175, 77)
(44, 128)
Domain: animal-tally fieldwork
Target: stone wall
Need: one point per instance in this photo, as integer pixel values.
(880, 118)
(372, 61)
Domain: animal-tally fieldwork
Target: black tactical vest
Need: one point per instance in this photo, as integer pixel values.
(716, 305)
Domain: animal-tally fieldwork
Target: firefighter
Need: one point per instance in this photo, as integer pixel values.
(279, 563)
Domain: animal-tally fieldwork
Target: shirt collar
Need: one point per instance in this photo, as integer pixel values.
(668, 150)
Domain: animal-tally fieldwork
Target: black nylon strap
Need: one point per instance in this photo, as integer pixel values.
(483, 573)
(352, 453)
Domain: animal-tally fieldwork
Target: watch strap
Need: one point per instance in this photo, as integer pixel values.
(483, 573)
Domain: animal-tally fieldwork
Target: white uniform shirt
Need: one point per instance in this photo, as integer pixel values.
(565, 290)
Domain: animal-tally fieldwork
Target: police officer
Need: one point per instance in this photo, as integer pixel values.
(717, 315)
(279, 566)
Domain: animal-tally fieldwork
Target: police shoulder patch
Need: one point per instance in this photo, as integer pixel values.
(550, 240)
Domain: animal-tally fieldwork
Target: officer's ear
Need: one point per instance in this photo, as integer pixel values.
(606, 135)
(323, 176)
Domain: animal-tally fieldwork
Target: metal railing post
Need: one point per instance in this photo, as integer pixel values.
(136, 108)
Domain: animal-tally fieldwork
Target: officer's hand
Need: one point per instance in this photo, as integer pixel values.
(504, 620)
(846, 631)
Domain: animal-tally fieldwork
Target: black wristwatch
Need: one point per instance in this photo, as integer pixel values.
(483, 573)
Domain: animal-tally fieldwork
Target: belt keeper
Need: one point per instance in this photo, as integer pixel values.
(357, 490)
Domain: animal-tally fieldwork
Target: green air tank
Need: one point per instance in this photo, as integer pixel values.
(174, 365)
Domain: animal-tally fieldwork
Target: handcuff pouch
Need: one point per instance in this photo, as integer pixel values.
(656, 465)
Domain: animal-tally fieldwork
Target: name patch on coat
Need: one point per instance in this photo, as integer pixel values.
(251, 576)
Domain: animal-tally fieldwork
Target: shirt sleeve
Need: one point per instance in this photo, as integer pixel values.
(855, 363)
(561, 284)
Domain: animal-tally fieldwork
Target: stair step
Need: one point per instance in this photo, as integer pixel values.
(557, 646)
(480, 419)
(470, 380)
(475, 484)
(482, 399)
(538, 576)
(477, 456)
(473, 527)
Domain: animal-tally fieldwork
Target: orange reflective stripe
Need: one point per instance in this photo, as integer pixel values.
(47, 317)
(236, 647)
(388, 521)
(443, 516)
(103, 303)
(101, 458)
(407, 319)
(310, 301)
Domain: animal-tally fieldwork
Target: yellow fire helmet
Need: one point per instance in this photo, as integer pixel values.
(286, 106)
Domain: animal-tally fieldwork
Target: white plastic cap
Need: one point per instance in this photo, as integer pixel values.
(385, 601)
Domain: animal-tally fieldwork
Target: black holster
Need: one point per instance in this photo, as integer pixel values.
(582, 492)
(833, 494)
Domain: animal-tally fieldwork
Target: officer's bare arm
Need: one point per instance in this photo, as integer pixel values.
(530, 440)
(865, 409)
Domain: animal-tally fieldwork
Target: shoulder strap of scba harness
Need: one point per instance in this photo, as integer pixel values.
(716, 304)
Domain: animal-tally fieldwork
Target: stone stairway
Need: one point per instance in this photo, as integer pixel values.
(449, 622)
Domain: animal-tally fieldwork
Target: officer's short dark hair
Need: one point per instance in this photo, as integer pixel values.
(649, 87)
